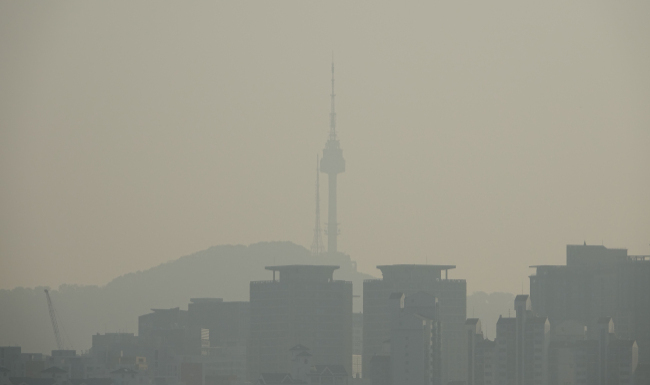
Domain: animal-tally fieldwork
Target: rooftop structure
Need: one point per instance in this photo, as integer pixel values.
(411, 279)
(318, 273)
(411, 271)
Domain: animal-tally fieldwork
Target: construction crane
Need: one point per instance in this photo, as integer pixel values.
(55, 325)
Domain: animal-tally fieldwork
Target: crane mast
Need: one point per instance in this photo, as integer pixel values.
(55, 325)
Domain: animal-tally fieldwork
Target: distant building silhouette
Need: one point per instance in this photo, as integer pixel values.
(604, 360)
(304, 305)
(522, 346)
(317, 246)
(524, 353)
(415, 343)
(410, 279)
(357, 344)
(229, 331)
(597, 282)
(481, 360)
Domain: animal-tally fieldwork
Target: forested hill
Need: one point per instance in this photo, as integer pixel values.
(220, 271)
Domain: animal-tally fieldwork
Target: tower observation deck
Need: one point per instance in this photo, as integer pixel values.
(332, 164)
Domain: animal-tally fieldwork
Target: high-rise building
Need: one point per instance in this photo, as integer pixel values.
(332, 164)
(302, 305)
(415, 350)
(597, 282)
(161, 320)
(228, 329)
(168, 328)
(10, 358)
(357, 344)
(603, 360)
(410, 279)
(480, 355)
(522, 347)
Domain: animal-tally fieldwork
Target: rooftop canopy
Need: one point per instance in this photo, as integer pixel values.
(398, 272)
(312, 273)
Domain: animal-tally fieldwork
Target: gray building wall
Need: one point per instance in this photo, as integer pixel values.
(410, 279)
(522, 347)
(304, 305)
(597, 282)
(414, 339)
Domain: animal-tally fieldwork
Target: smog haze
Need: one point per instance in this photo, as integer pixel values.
(486, 135)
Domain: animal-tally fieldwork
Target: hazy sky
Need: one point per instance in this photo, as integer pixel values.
(483, 134)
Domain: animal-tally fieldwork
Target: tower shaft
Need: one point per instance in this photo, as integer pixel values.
(332, 220)
(317, 242)
(332, 164)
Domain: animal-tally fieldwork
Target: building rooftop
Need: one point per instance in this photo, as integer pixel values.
(585, 246)
(53, 370)
(547, 266)
(311, 273)
(170, 310)
(206, 300)
(405, 272)
(471, 321)
(416, 267)
(506, 320)
(328, 370)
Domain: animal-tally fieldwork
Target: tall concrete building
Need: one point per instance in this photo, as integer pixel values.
(522, 347)
(415, 350)
(597, 282)
(161, 320)
(229, 330)
(168, 328)
(332, 164)
(410, 279)
(302, 305)
(605, 360)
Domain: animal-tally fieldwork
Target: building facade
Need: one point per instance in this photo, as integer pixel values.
(302, 305)
(597, 282)
(415, 346)
(522, 346)
(410, 279)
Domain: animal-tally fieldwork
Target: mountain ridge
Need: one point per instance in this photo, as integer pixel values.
(223, 271)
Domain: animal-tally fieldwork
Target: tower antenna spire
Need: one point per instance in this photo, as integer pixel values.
(332, 107)
(317, 246)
